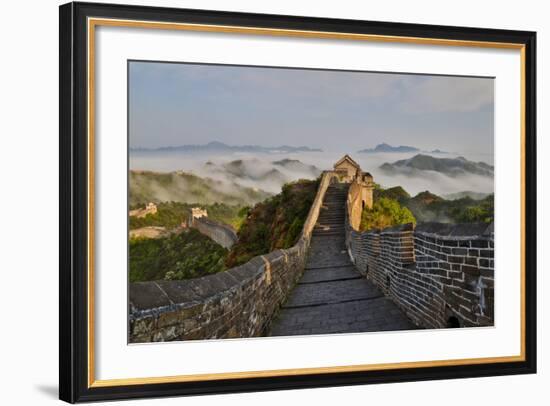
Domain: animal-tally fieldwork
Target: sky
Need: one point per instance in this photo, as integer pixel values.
(174, 104)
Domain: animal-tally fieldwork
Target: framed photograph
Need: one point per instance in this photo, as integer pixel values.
(256, 202)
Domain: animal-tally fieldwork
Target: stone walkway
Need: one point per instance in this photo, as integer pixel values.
(332, 297)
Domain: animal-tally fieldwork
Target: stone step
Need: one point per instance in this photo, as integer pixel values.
(331, 292)
(316, 275)
(328, 233)
(329, 230)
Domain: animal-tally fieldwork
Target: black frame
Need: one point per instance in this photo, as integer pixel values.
(73, 330)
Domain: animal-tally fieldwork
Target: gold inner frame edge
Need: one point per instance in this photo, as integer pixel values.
(93, 22)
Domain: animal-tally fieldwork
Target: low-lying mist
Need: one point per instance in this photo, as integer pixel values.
(269, 171)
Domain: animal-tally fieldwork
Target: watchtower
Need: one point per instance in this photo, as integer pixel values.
(360, 193)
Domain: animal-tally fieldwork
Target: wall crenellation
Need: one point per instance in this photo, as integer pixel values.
(440, 275)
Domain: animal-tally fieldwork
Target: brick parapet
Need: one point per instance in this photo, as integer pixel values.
(438, 274)
(239, 302)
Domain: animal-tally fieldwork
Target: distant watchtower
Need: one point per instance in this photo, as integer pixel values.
(346, 169)
(196, 213)
(150, 208)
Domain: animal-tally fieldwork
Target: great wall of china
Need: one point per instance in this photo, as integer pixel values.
(335, 279)
(221, 233)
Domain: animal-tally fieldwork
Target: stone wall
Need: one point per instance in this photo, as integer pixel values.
(240, 302)
(221, 233)
(440, 275)
(360, 195)
(150, 208)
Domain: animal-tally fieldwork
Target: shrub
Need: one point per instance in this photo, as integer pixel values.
(385, 212)
(275, 223)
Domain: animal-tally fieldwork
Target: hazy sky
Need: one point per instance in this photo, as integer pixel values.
(177, 104)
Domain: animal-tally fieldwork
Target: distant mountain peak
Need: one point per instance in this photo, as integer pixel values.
(387, 148)
(384, 147)
(216, 144)
(415, 166)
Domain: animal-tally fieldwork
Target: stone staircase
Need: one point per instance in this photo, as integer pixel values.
(332, 297)
(332, 215)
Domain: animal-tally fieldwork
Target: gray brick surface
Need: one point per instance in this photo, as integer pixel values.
(332, 297)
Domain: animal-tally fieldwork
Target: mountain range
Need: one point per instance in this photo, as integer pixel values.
(427, 206)
(386, 148)
(452, 167)
(296, 165)
(251, 170)
(466, 193)
(220, 147)
(261, 174)
(183, 187)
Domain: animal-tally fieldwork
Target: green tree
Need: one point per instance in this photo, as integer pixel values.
(385, 212)
(275, 223)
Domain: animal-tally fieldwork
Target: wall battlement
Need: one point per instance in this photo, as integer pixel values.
(150, 208)
(440, 275)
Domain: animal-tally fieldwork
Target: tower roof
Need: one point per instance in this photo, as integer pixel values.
(347, 158)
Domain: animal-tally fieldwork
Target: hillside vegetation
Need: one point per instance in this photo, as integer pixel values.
(183, 187)
(171, 214)
(180, 256)
(429, 207)
(426, 206)
(385, 212)
(274, 223)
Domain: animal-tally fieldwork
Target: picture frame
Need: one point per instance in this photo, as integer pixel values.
(78, 162)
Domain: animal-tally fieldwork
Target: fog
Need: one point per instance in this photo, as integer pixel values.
(258, 171)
